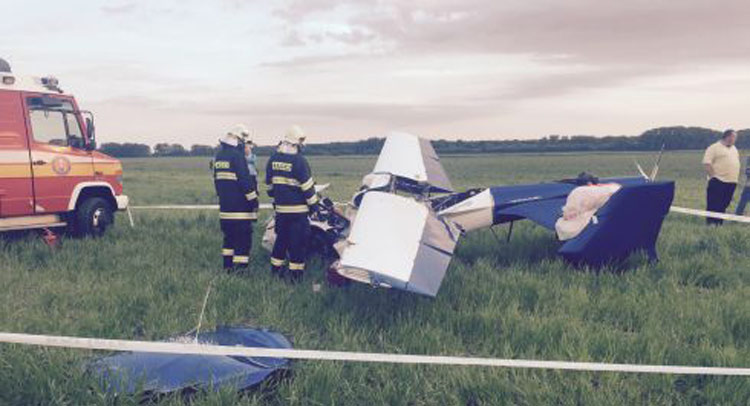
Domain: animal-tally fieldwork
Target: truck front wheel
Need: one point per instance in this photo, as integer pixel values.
(93, 217)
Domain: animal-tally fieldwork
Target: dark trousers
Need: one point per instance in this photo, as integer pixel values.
(744, 198)
(292, 232)
(718, 196)
(238, 238)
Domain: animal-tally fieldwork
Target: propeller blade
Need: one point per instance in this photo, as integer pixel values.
(655, 169)
(637, 165)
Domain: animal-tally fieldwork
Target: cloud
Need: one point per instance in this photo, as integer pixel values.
(557, 84)
(614, 42)
(292, 39)
(590, 31)
(307, 61)
(389, 115)
(119, 9)
(296, 11)
(356, 36)
(354, 66)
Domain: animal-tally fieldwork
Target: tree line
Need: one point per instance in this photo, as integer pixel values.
(673, 138)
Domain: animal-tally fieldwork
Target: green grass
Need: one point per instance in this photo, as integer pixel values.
(515, 300)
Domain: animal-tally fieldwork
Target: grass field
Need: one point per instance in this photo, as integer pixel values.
(510, 300)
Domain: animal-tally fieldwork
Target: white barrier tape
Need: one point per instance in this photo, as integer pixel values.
(263, 206)
(704, 213)
(130, 217)
(266, 206)
(178, 207)
(199, 349)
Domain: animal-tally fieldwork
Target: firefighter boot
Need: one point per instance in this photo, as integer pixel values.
(227, 264)
(295, 277)
(277, 267)
(278, 271)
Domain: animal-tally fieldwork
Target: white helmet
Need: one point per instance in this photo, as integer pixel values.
(294, 135)
(240, 131)
(229, 139)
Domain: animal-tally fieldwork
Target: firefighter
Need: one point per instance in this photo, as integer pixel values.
(238, 198)
(291, 185)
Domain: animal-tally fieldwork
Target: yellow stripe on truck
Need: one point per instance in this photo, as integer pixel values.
(46, 171)
(15, 171)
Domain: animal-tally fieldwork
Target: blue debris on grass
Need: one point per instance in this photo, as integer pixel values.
(161, 374)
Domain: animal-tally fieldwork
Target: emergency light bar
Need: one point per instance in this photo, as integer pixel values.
(4, 66)
(7, 77)
(51, 83)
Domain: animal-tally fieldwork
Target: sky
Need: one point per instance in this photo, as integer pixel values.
(186, 71)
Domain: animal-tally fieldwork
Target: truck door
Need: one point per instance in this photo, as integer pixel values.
(58, 160)
(16, 195)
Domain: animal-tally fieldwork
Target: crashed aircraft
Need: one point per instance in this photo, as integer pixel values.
(401, 228)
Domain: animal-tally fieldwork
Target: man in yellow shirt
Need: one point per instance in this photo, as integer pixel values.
(722, 163)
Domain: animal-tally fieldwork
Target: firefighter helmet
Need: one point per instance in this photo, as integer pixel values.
(294, 135)
(240, 131)
(236, 135)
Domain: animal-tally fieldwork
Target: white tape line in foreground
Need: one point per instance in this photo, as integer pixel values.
(199, 349)
(263, 206)
(704, 213)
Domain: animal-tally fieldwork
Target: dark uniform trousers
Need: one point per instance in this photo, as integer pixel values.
(238, 237)
(718, 196)
(292, 232)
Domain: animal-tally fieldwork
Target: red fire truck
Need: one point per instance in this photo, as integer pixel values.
(50, 173)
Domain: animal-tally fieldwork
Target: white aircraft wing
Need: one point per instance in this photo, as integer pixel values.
(411, 157)
(398, 242)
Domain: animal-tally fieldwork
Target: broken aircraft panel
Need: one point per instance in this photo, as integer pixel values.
(399, 242)
(409, 157)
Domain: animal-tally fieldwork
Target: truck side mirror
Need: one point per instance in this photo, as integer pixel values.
(90, 134)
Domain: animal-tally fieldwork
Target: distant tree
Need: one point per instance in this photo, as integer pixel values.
(161, 149)
(126, 150)
(164, 149)
(743, 138)
(672, 137)
(202, 150)
(678, 138)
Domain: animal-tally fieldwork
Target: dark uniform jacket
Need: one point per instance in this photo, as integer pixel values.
(237, 190)
(290, 183)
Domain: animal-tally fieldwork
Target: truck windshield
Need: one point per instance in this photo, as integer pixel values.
(56, 125)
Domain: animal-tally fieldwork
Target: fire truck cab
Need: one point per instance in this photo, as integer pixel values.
(50, 172)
